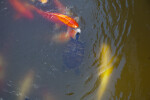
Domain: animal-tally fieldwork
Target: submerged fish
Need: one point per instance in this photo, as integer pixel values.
(42, 4)
(57, 17)
(43, 1)
(21, 8)
(73, 53)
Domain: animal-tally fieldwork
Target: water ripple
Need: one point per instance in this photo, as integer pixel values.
(112, 25)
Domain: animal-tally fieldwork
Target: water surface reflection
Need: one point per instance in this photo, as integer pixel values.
(112, 26)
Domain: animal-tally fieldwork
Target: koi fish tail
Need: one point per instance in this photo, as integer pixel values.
(45, 15)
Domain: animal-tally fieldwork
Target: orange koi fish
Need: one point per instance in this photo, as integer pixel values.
(57, 17)
(21, 9)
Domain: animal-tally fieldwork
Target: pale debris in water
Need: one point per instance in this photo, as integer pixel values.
(1, 99)
(25, 86)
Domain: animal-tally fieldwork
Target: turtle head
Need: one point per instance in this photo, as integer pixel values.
(77, 36)
(78, 32)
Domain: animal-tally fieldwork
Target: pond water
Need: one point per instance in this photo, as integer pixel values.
(116, 59)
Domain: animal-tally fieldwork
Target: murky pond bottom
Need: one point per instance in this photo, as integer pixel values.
(116, 59)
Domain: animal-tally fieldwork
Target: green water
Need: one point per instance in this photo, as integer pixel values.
(116, 61)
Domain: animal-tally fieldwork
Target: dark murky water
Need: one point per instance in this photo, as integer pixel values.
(116, 61)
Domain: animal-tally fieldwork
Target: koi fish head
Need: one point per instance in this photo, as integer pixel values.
(72, 23)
